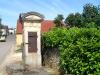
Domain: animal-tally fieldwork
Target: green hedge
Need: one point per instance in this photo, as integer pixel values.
(79, 49)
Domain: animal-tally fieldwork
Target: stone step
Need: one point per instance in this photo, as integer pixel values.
(17, 69)
(42, 72)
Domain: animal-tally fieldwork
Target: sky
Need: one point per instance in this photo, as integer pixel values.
(10, 9)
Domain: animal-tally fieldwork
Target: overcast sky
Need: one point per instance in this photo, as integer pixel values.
(10, 9)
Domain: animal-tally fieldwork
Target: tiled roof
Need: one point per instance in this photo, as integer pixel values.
(19, 27)
(46, 25)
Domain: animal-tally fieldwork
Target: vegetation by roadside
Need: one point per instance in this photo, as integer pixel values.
(79, 49)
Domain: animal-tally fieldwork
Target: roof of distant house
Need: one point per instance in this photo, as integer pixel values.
(19, 27)
(46, 25)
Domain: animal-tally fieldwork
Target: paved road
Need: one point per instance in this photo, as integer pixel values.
(5, 47)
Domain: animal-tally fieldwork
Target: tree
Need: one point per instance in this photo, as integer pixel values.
(0, 27)
(89, 13)
(74, 19)
(70, 20)
(98, 9)
(0, 24)
(78, 20)
(58, 20)
(90, 25)
(97, 20)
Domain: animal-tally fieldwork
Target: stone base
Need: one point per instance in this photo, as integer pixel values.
(33, 60)
(17, 69)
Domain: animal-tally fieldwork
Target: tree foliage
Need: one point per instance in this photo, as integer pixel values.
(89, 15)
(70, 19)
(89, 12)
(58, 20)
(0, 27)
(74, 20)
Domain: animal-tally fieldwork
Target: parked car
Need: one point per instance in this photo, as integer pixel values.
(3, 35)
(3, 38)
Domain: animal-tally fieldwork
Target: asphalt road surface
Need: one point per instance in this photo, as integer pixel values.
(5, 47)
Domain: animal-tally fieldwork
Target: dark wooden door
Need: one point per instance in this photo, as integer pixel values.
(32, 41)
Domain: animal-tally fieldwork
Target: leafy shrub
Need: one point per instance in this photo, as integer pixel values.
(79, 49)
(90, 25)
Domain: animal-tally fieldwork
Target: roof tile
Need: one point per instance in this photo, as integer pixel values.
(46, 25)
(19, 27)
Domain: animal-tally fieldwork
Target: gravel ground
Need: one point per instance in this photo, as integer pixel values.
(15, 58)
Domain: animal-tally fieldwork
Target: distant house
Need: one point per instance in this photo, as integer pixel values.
(46, 25)
(19, 32)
